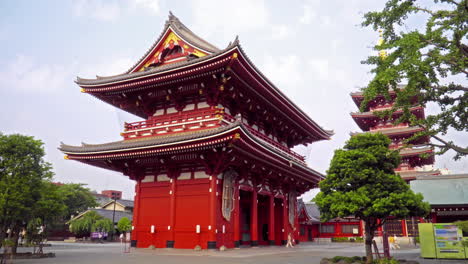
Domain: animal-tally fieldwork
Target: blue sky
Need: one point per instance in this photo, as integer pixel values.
(310, 49)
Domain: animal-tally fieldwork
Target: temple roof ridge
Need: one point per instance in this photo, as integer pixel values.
(361, 93)
(184, 32)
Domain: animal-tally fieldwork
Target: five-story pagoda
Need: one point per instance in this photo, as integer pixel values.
(212, 161)
(414, 156)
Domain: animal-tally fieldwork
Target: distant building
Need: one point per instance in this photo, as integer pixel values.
(447, 194)
(113, 194)
(123, 208)
(120, 205)
(310, 227)
(106, 196)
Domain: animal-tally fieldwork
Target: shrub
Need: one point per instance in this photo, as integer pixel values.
(340, 239)
(347, 259)
(386, 261)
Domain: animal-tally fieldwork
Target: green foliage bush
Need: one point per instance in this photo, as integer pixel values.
(90, 222)
(103, 225)
(340, 239)
(124, 225)
(386, 261)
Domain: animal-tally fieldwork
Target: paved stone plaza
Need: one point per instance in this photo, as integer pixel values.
(310, 253)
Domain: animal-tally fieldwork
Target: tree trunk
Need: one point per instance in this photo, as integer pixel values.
(368, 241)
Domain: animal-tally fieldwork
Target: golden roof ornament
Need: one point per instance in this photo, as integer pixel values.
(382, 53)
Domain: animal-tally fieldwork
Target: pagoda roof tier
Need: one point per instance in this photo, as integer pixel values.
(151, 85)
(413, 174)
(399, 132)
(368, 120)
(234, 136)
(358, 98)
(414, 158)
(415, 151)
(393, 131)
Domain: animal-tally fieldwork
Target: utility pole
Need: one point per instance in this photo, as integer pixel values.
(113, 218)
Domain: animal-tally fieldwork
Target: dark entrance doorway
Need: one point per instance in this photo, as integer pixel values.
(279, 217)
(245, 216)
(263, 219)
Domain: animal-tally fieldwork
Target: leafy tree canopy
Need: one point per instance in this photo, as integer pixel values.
(361, 182)
(90, 222)
(77, 198)
(124, 225)
(22, 174)
(431, 59)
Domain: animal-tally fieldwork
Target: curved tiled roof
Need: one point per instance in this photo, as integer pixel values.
(184, 32)
(143, 142)
(174, 24)
(415, 151)
(126, 145)
(371, 113)
(393, 131)
(155, 70)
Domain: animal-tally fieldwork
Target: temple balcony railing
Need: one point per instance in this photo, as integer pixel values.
(173, 123)
(193, 121)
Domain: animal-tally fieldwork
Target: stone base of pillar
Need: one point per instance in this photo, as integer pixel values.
(272, 242)
(133, 243)
(283, 242)
(169, 243)
(211, 245)
(297, 241)
(254, 243)
(237, 244)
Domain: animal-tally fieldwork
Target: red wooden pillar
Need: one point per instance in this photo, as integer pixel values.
(271, 224)
(404, 228)
(236, 217)
(212, 226)
(133, 242)
(285, 220)
(434, 217)
(172, 209)
(254, 219)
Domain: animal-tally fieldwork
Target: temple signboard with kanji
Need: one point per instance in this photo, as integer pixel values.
(212, 160)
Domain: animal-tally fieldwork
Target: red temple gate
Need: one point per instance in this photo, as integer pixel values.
(212, 160)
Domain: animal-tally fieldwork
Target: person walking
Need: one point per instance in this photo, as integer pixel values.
(289, 243)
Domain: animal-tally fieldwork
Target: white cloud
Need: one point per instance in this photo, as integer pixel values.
(108, 68)
(24, 74)
(280, 32)
(283, 71)
(99, 10)
(320, 68)
(151, 5)
(308, 15)
(222, 18)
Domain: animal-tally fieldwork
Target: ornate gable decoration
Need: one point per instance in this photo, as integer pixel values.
(176, 43)
(171, 49)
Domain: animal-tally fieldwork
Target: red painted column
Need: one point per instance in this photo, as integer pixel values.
(404, 229)
(271, 224)
(285, 220)
(135, 227)
(434, 217)
(254, 219)
(236, 217)
(172, 195)
(212, 226)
